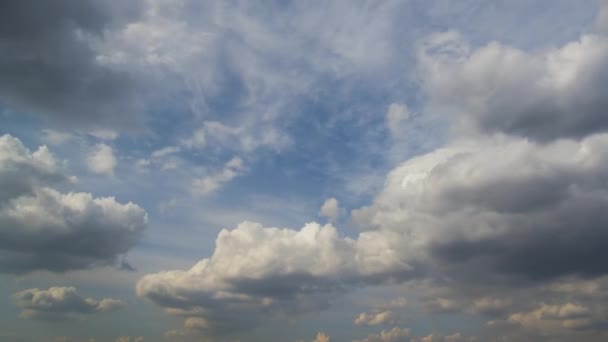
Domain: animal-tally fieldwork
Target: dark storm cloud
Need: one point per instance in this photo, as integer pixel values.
(48, 69)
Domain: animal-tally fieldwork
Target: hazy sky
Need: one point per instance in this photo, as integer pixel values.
(392, 171)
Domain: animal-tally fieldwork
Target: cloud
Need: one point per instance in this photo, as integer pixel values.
(58, 303)
(541, 95)
(272, 272)
(43, 229)
(48, 67)
(209, 184)
(396, 116)
(394, 335)
(102, 160)
(376, 318)
(321, 337)
(404, 335)
(130, 339)
(241, 138)
(331, 209)
(22, 171)
(479, 217)
(559, 318)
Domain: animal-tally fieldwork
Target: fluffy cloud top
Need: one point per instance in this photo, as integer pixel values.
(272, 271)
(41, 228)
(60, 303)
(102, 160)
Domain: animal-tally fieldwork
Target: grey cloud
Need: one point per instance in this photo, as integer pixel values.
(43, 229)
(22, 171)
(59, 303)
(48, 68)
(501, 209)
(542, 95)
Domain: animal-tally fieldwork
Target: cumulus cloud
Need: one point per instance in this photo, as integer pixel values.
(43, 229)
(209, 184)
(102, 160)
(49, 69)
(331, 209)
(541, 95)
(22, 171)
(58, 303)
(272, 272)
(483, 217)
(376, 318)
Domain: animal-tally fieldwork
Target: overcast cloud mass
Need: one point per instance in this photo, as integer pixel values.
(392, 171)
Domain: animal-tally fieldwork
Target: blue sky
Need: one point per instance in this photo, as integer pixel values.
(435, 170)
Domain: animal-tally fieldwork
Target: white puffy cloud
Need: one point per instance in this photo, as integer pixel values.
(209, 184)
(376, 318)
(102, 160)
(60, 303)
(331, 209)
(273, 271)
(41, 228)
(541, 95)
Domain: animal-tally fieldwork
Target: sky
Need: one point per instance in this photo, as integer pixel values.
(304, 171)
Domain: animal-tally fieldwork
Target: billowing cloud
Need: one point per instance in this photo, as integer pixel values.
(58, 303)
(271, 272)
(49, 69)
(43, 229)
(482, 211)
(102, 160)
(541, 95)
